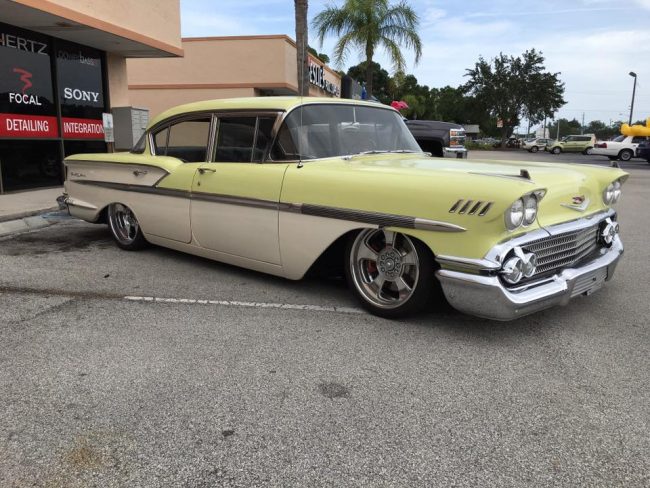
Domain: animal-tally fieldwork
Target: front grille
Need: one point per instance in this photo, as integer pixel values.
(563, 250)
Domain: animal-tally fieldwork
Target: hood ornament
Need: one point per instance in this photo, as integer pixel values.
(578, 203)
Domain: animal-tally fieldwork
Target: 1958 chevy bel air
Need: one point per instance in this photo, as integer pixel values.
(274, 183)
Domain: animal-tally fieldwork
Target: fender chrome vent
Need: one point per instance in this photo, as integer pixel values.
(471, 207)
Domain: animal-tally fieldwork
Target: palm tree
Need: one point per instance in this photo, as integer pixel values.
(366, 25)
(302, 58)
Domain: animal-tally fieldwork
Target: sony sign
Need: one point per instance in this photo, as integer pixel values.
(80, 95)
(317, 77)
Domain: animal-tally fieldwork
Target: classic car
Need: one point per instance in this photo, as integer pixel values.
(279, 184)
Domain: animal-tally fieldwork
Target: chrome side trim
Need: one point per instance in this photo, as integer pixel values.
(434, 225)
(130, 166)
(362, 216)
(233, 200)
(379, 219)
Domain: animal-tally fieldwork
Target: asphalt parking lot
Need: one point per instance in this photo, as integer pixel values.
(235, 378)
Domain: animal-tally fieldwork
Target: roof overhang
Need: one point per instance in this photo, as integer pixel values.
(57, 21)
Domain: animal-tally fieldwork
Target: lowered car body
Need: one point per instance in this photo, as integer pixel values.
(274, 183)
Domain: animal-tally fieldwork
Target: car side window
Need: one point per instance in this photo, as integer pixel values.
(638, 139)
(160, 141)
(188, 140)
(243, 139)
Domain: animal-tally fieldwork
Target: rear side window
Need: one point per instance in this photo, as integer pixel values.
(243, 139)
(186, 140)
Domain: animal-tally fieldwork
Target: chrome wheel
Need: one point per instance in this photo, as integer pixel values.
(124, 226)
(384, 267)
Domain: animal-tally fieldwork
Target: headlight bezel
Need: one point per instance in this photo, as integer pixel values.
(612, 192)
(520, 205)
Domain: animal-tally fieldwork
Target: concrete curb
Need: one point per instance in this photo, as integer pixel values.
(22, 225)
(31, 213)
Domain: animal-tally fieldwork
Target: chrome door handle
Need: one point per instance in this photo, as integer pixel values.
(206, 170)
(139, 172)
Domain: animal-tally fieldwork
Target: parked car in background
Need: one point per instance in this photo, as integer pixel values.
(283, 185)
(441, 139)
(583, 143)
(621, 147)
(643, 150)
(534, 145)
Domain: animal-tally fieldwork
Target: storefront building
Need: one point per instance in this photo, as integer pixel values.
(226, 67)
(62, 65)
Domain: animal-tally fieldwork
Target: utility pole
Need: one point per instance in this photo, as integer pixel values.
(582, 127)
(558, 130)
(633, 75)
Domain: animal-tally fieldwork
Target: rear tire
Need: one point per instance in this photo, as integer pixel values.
(125, 227)
(534, 149)
(392, 275)
(588, 151)
(625, 155)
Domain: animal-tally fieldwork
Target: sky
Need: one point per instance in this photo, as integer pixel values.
(593, 44)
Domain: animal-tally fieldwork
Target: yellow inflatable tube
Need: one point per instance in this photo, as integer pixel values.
(636, 130)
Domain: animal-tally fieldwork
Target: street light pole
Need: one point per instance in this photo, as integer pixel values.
(633, 75)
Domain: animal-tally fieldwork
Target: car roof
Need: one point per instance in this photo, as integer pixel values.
(257, 103)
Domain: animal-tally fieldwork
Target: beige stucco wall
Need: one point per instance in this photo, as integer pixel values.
(155, 19)
(117, 80)
(158, 100)
(218, 67)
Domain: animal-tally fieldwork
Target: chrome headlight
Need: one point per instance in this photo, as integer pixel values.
(617, 191)
(515, 214)
(608, 194)
(521, 265)
(530, 209)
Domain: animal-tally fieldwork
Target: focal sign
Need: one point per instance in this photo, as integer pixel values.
(25, 82)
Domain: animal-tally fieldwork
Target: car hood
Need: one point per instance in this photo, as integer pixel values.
(572, 190)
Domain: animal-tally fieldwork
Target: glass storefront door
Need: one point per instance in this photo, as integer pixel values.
(51, 101)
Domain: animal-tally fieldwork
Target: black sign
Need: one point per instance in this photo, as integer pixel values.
(25, 74)
(79, 71)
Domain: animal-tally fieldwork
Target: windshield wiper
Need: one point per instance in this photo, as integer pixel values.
(377, 151)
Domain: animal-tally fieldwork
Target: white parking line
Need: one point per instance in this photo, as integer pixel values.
(234, 303)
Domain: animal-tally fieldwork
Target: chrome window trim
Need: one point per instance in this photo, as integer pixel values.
(175, 120)
(252, 113)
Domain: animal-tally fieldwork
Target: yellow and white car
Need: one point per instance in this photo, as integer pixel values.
(275, 183)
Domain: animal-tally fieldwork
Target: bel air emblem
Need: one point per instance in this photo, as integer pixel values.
(578, 202)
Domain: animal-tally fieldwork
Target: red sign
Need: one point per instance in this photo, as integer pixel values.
(74, 128)
(18, 125)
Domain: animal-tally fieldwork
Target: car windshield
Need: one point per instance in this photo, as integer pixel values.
(326, 130)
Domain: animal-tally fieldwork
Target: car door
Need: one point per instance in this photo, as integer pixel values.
(235, 197)
(167, 212)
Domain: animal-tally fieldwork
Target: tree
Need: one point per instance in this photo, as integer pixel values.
(512, 87)
(366, 25)
(322, 56)
(380, 80)
(302, 36)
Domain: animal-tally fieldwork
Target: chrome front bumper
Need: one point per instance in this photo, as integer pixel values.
(454, 152)
(485, 296)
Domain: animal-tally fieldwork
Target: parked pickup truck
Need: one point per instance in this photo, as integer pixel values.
(622, 147)
(441, 139)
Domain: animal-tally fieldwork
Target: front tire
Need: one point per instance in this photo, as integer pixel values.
(125, 227)
(556, 150)
(391, 274)
(625, 155)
